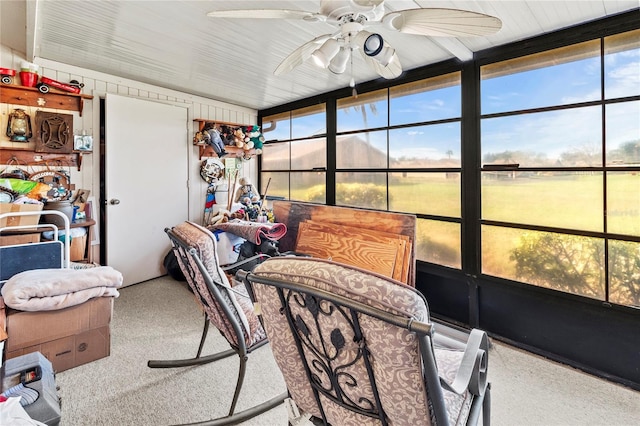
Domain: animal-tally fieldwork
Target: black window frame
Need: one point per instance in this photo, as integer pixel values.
(471, 161)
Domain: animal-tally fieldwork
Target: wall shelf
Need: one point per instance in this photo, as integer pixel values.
(232, 151)
(31, 96)
(29, 157)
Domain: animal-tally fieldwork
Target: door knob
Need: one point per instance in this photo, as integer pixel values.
(114, 201)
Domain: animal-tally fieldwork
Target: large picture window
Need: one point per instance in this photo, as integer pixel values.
(560, 175)
(531, 162)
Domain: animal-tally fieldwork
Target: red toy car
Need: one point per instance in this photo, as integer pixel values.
(73, 86)
(7, 75)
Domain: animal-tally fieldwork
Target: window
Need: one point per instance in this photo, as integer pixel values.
(560, 176)
(294, 156)
(432, 99)
(400, 150)
(367, 111)
(549, 167)
(557, 77)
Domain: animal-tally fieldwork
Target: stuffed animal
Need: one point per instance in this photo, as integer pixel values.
(239, 137)
(213, 138)
(246, 193)
(224, 216)
(199, 138)
(227, 135)
(255, 137)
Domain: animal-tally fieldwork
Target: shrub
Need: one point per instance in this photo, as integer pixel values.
(367, 195)
(575, 264)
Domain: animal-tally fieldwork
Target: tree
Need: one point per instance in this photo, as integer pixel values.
(626, 153)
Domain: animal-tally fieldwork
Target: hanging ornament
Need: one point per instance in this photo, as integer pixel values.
(211, 170)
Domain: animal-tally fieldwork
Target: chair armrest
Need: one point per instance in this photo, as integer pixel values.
(295, 253)
(472, 372)
(231, 266)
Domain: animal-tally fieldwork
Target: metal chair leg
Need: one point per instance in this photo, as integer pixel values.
(486, 407)
(242, 370)
(205, 332)
(247, 414)
(190, 361)
(198, 360)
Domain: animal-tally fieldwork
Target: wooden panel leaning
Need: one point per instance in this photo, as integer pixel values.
(382, 242)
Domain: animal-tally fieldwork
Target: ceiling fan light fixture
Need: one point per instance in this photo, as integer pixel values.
(386, 55)
(325, 53)
(338, 64)
(373, 45)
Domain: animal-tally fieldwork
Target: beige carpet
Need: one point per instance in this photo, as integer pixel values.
(159, 319)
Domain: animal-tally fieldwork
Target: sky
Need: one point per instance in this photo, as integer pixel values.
(550, 133)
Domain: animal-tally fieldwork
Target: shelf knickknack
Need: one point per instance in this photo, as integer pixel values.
(54, 132)
(30, 96)
(220, 139)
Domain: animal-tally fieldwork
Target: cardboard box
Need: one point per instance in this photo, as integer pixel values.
(67, 337)
(12, 240)
(3, 328)
(77, 248)
(19, 220)
(72, 351)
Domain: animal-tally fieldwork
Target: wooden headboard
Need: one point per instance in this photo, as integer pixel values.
(351, 235)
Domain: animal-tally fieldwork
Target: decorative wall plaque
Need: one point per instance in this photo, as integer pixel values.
(54, 132)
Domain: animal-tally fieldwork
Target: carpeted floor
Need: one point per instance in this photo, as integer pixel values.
(159, 319)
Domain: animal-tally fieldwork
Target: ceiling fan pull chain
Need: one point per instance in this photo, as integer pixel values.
(352, 83)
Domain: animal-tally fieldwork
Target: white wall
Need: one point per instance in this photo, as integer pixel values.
(97, 84)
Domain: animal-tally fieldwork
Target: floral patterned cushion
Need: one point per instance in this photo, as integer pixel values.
(235, 297)
(401, 388)
(397, 364)
(458, 406)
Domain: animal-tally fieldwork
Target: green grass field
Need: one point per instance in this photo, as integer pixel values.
(573, 201)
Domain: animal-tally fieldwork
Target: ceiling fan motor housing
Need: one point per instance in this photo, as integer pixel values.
(336, 10)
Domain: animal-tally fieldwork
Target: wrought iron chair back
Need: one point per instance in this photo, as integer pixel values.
(357, 348)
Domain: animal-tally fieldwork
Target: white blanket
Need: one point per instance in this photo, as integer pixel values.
(51, 289)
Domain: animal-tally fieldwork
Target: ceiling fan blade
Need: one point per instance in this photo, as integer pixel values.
(267, 14)
(301, 54)
(391, 71)
(436, 22)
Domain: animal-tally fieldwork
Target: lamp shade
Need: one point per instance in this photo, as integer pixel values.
(323, 56)
(339, 63)
(373, 45)
(385, 56)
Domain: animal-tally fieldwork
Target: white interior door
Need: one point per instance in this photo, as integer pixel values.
(145, 183)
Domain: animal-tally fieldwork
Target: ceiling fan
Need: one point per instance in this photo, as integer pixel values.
(354, 18)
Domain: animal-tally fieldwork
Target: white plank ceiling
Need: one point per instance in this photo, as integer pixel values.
(174, 44)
